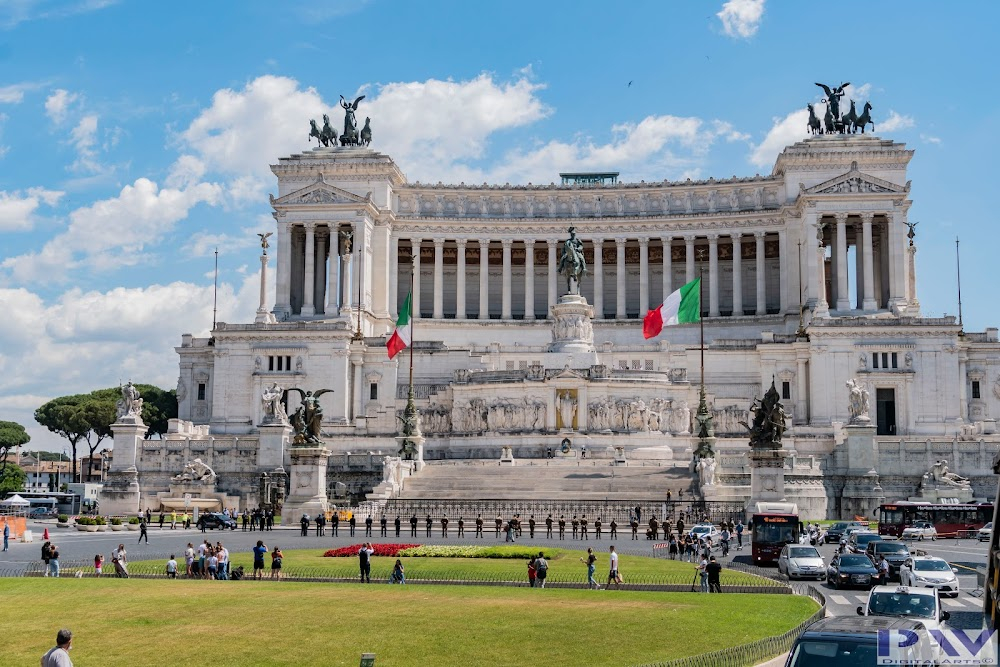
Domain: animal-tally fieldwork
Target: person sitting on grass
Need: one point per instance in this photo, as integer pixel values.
(397, 573)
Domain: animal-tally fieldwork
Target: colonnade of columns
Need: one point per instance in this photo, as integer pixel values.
(519, 268)
(315, 272)
(878, 267)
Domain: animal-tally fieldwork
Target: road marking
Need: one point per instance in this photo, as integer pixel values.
(839, 599)
(952, 603)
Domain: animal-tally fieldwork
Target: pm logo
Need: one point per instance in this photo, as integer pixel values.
(938, 647)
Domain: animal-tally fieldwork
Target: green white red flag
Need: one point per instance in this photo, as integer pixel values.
(681, 307)
(402, 336)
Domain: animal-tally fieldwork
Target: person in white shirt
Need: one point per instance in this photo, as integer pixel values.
(171, 568)
(613, 571)
(703, 574)
(189, 559)
(223, 554)
(58, 656)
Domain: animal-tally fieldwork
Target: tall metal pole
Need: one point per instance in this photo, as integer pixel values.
(958, 268)
(215, 295)
(412, 319)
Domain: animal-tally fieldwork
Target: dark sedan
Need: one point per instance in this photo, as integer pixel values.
(851, 570)
(838, 528)
(216, 520)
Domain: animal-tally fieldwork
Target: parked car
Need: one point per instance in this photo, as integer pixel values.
(798, 561)
(985, 533)
(42, 513)
(930, 572)
(217, 520)
(700, 531)
(894, 552)
(920, 530)
(851, 570)
(846, 641)
(921, 604)
(837, 529)
(859, 541)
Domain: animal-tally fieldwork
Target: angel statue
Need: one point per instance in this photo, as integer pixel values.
(833, 97)
(308, 417)
(350, 135)
(264, 245)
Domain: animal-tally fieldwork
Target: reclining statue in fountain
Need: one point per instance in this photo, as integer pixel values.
(196, 471)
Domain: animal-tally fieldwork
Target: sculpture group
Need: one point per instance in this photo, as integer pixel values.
(327, 136)
(768, 421)
(572, 263)
(859, 402)
(833, 122)
(130, 404)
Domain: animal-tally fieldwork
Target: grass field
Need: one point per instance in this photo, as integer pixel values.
(564, 566)
(177, 622)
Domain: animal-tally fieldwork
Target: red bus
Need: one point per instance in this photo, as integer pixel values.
(948, 520)
(774, 525)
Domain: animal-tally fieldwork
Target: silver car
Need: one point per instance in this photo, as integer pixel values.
(929, 572)
(801, 562)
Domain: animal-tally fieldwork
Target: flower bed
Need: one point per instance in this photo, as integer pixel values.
(380, 550)
(433, 551)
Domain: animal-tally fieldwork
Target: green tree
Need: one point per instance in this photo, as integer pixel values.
(12, 435)
(158, 406)
(66, 417)
(12, 478)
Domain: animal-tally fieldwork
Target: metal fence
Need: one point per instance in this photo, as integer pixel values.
(755, 652)
(689, 511)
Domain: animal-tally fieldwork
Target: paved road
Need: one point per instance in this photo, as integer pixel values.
(74, 545)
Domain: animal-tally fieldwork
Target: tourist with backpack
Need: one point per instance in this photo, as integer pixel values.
(541, 570)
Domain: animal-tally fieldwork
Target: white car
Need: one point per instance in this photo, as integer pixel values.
(700, 531)
(921, 604)
(919, 531)
(985, 533)
(799, 561)
(929, 572)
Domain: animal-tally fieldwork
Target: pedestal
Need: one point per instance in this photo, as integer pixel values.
(308, 492)
(573, 333)
(860, 442)
(417, 455)
(767, 477)
(120, 492)
(862, 492)
(272, 452)
(507, 456)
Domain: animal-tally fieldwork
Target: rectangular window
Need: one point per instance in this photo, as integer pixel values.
(522, 365)
(786, 390)
(270, 363)
(373, 391)
(975, 389)
(636, 365)
(649, 364)
(623, 364)
(895, 360)
(288, 363)
(201, 391)
(510, 365)
(885, 360)
(874, 359)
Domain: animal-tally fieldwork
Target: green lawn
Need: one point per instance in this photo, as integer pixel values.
(177, 622)
(564, 566)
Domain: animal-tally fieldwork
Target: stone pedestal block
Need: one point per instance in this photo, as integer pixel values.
(417, 458)
(120, 493)
(308, 484)
(273, 451)
(572, 334)
(861, 496)
(767, 476)
(860, 440)
(128, 434)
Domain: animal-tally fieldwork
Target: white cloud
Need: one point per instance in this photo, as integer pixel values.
(17, 209)
(84, 137)
(930, 139)
(741, 18)
(14, 93)
(784, 132)
(113, 232)
(895, 122)
(57, 104)
(13, 12)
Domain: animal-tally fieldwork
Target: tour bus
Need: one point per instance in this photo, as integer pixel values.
(950, 520)
(772, 526)
(63, 503)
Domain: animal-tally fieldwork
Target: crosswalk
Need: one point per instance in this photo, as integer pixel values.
(962, 602)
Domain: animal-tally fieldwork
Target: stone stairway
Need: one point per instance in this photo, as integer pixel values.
(552, 479)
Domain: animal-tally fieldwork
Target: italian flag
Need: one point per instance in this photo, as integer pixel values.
(681, 307)
(401, 337)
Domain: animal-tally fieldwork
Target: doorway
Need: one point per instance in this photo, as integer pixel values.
(885, 410)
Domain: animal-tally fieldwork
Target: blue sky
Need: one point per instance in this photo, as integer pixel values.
(136, 137)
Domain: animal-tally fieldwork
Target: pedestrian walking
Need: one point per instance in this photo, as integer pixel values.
(58, 655)
(6, 535)
(143, 535)
(510, 531)
(613, 576)
(591, 568)
(161, 519)
(173, 520)
(739, 535)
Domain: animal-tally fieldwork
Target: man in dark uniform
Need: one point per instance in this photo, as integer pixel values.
(548, 526)
(562, 526)
(413, 526)
(304, 521)
(531, 526)
(634, 524)
(335, 522)
(479, 525)
(680, 528)
(461, 527)
(654, 526)
(397, 523)
(597, 528)
(614, 529)
(352, 523)
(575, 523)
(583, 527)
(368, 526)
(638, 513)
(499, 524)
(320, 523)
(444, 526)
(430, 523)
(382, 525)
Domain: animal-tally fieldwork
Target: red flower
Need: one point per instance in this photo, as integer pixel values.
(389, 550)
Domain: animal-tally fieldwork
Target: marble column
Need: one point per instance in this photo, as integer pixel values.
(346, 262)
(319, 295)
(309, 280)
(800, 413)
(620, 312)
(688, 258)
(484, 279)
(460, 281)
(869, 305)
(529, 279)
(761, 284)
(505, 296)
(438, 312)
(788, 272)
(713, 275)
(822, 305)
(282, 295)
(553, 245)
(643, 276)
(737, 274)
(668, 268)
(415, 302)
(843, 299)
(599, 278)
(393, 276)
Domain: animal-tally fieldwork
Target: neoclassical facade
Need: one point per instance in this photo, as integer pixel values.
(809, 280)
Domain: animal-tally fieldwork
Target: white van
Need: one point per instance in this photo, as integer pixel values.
(921, 604)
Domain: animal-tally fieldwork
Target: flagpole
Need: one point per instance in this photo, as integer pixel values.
(701, 326)
(958, 268)
(412, 327)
